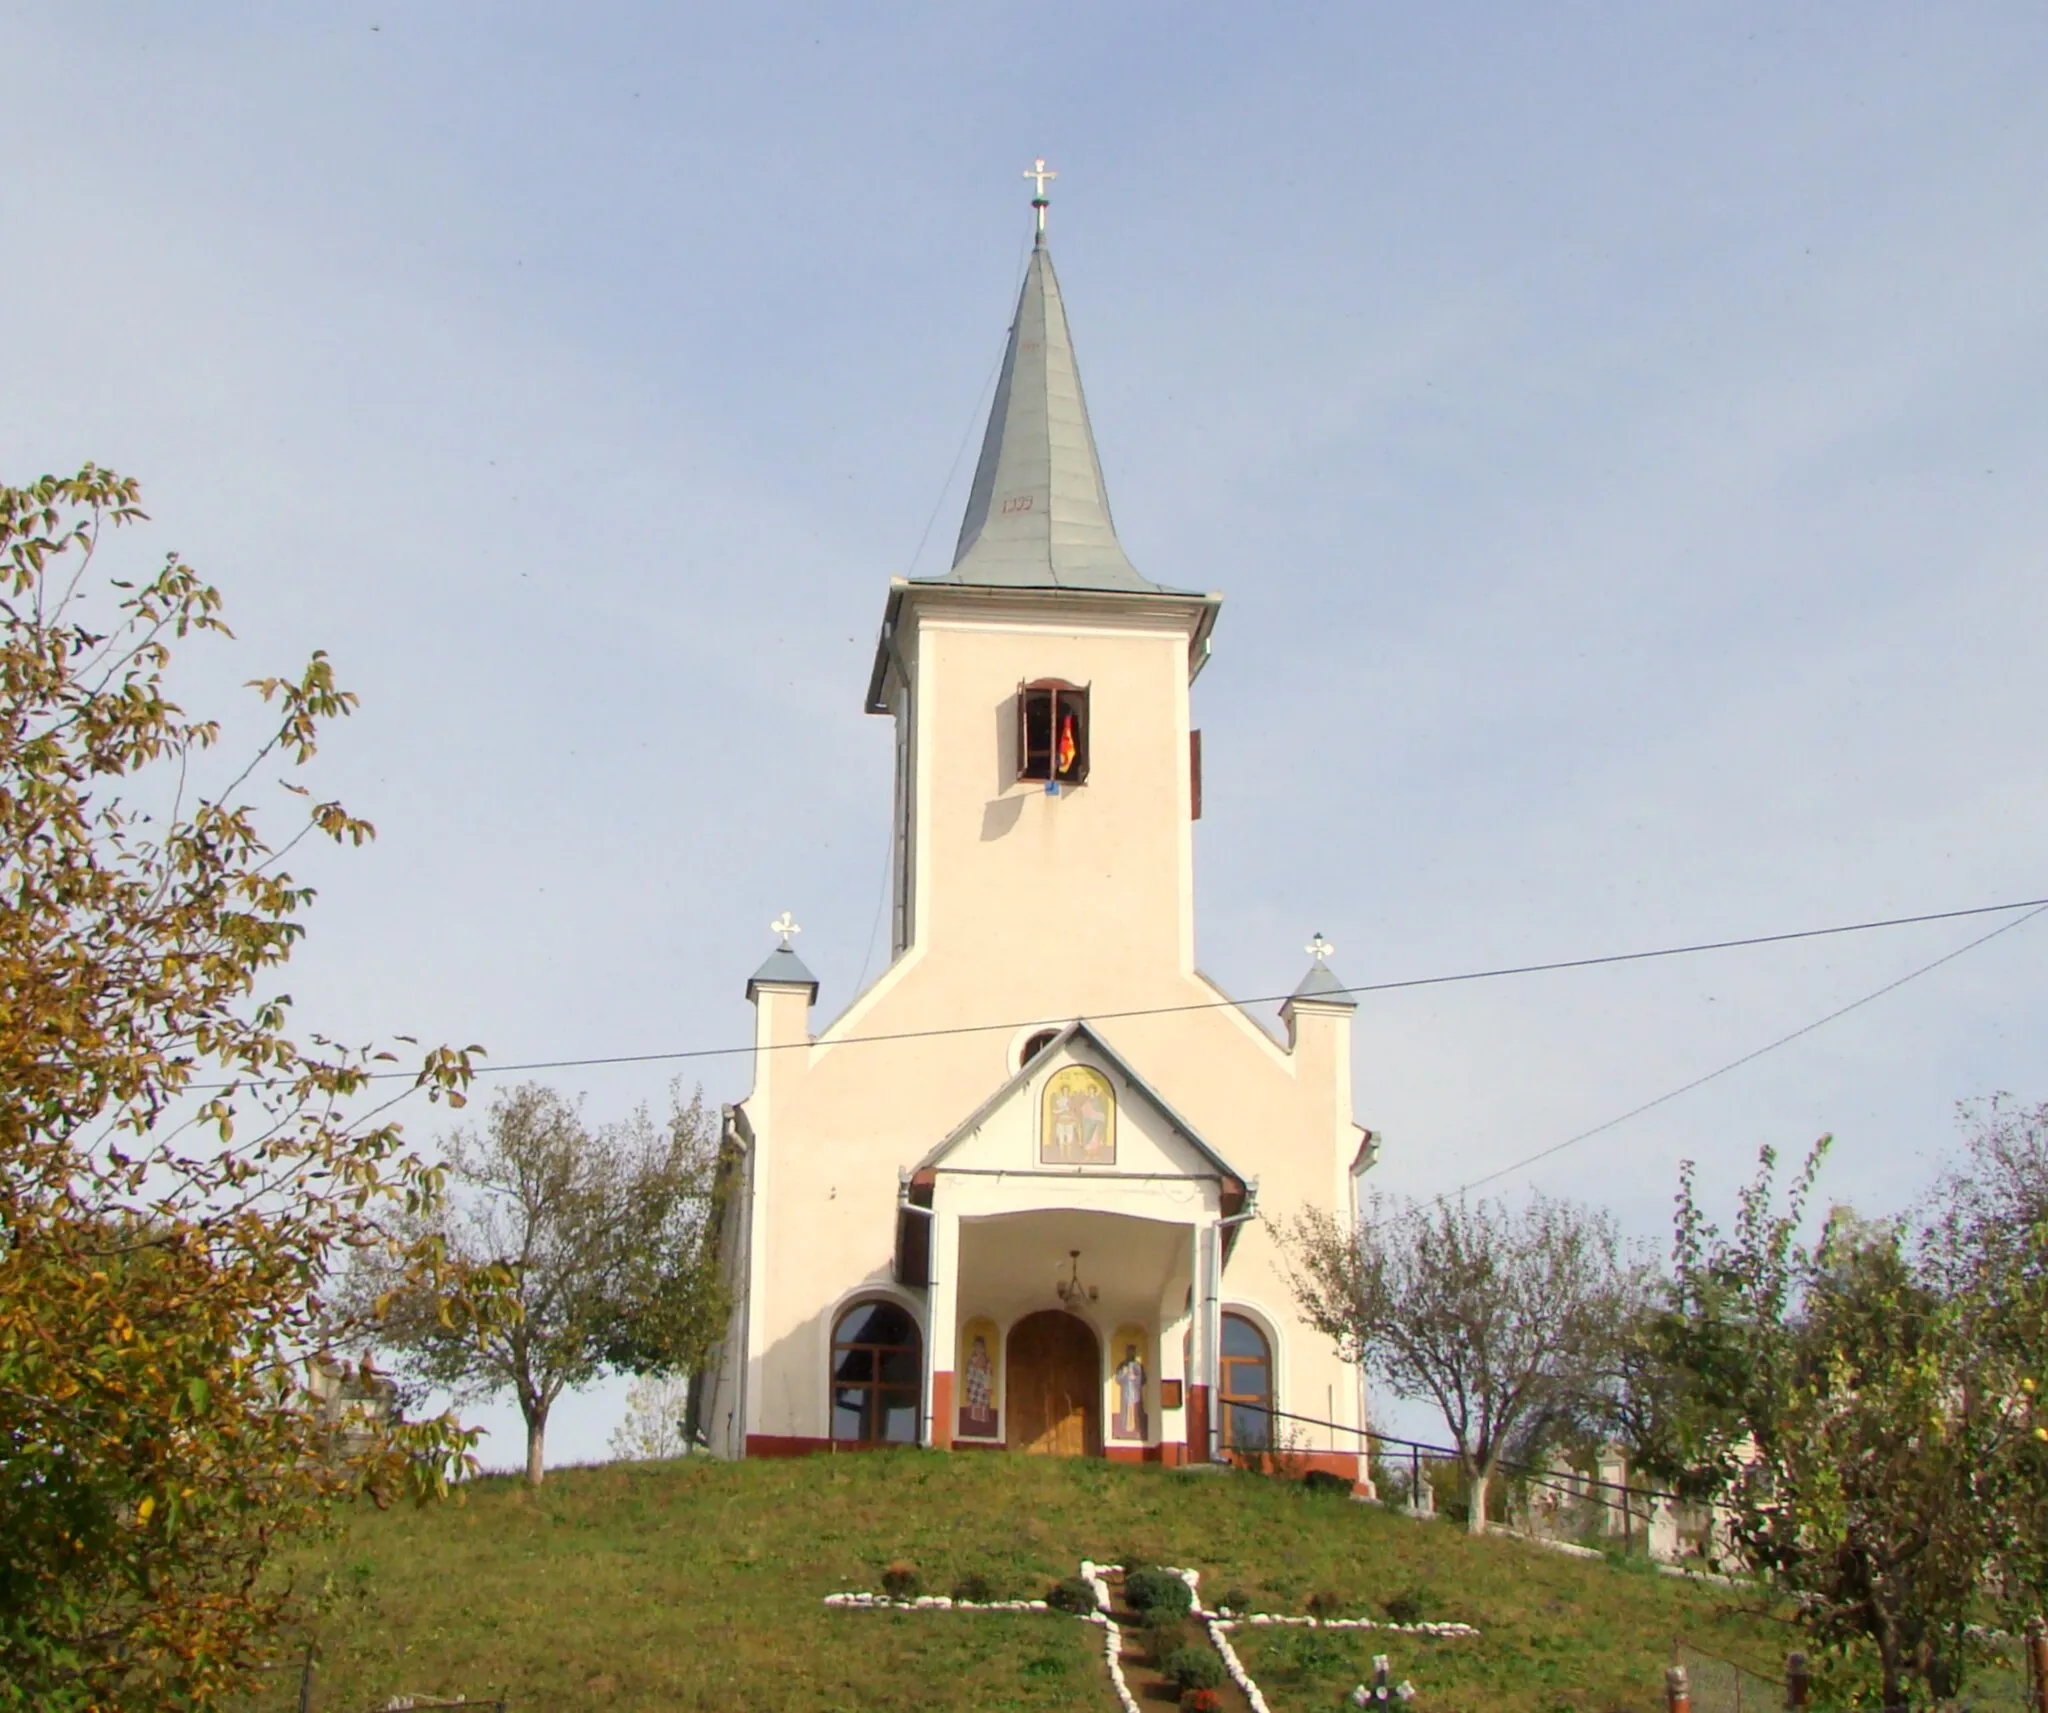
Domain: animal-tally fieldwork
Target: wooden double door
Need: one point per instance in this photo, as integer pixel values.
(1054, 1384)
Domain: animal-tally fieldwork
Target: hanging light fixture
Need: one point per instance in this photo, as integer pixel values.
(1072, 1293)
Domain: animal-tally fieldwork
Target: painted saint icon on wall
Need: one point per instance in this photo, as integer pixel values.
(1078, 1124)
(979, 1404)
(1127, 1419)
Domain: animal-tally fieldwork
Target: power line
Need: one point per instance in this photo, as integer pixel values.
(2033, 905)
(1771, 1047)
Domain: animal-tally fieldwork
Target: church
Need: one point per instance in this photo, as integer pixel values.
(1024, 1193)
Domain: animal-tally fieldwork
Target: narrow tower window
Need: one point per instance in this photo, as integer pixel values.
(1052, 732)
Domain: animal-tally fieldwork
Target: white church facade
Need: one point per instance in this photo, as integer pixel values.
(1024, 1193)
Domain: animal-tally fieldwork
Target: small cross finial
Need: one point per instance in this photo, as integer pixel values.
(1320, 949)
(1039, 174)
(785, 925)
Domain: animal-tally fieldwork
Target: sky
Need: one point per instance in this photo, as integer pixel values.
(1617, 433)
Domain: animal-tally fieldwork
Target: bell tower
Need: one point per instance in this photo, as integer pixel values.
(1045, 766)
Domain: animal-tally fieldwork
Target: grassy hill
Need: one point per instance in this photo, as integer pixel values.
(697, 1585)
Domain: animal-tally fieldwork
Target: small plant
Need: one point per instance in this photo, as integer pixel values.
(1162, 1636)
(1236, 1600)
(899, 1579)
(1323, 1604)
(1193, 1668)
(1157, 1593)
(1410, 1606)
(1073, 1595)
(1201, 1701)
(975, 1588)
(1327, 1482)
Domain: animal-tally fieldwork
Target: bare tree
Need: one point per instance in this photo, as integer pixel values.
(1990, 1208)
(1500, 1317)
(653, 1425)
(603, 1238)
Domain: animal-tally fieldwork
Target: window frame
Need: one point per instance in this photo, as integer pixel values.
(1227, 1394)
(874, 1389)
(1056, 695)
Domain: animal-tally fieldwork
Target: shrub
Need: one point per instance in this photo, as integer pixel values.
(1073, 1595)
(899, 1579)
(1239, 1600)
(1162, 1636)
(1326, 1481)
(975, 1587)
(1201, 1701)
(1157, 1593)
(1324, 1604)
(1193, 1668)
(1410, 1606)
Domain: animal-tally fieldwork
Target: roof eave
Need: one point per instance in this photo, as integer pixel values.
(885, 650)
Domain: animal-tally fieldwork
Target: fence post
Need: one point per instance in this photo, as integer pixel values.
(1677, 1691)
(2037, 1663)
(1797, 1679)
(306, 1682)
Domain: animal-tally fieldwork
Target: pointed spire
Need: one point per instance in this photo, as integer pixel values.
(1038, 516)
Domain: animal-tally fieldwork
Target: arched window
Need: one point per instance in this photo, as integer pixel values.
(1246, 1386)
(1036, 1045)
(877, 1375)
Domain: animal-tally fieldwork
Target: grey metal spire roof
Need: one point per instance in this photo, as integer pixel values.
(1321, 984)
(1038, 516)
(783, 969)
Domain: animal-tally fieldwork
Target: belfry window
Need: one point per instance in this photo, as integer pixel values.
(1052, 732)
(877, 1375)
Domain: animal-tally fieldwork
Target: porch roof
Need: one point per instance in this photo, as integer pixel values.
(926, 1170)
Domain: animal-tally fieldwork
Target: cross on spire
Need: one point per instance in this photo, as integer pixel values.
(1319, 949)
(785, 925)
(1039, 174)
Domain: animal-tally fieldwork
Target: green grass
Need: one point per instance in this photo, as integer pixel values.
(697, 1585)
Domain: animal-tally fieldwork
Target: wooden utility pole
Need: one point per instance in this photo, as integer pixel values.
(2037, 1664)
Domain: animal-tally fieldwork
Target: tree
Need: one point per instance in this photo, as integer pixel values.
(605, 1238)
(1501, 1318)
(653, 1425)
(1846, 1408)
(177, 1175)
(1986, 1247)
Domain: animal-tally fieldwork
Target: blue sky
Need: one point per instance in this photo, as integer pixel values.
(1618, 434)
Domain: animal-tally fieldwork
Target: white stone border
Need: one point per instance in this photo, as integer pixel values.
(1262, 1620)
(1216, 1623)
(1112, 1633)
(932, 1603)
